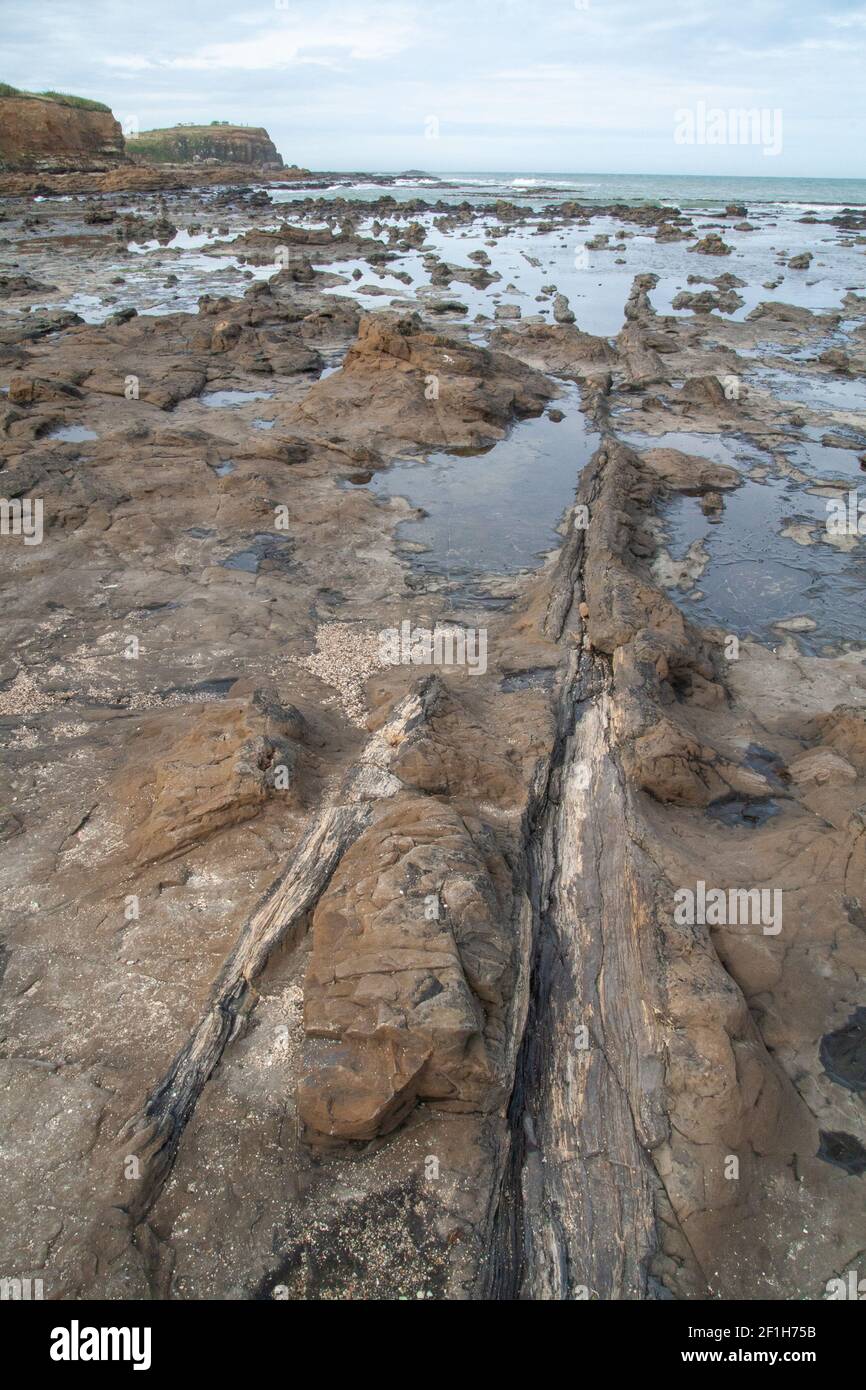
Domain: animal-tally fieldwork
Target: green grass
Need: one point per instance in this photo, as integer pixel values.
(68, 99)
(180, 143)
(198, 134)
(63, 98)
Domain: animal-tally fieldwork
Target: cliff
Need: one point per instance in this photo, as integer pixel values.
(196, 144)
(53, 133)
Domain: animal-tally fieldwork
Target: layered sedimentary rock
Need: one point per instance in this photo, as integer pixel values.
(53, 136)
(349, 982)
(659, 1144)
(219, 142)
(422, 388)
(411, 972)
(210, 773)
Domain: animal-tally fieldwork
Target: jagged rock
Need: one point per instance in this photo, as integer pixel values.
(844, 731)
(638, 308)
(361, 1092)
(704, 390)
(559, 348)
(783, 313)
(821, 766)
(641, 363)
(409, 971)
(12, 285)
(562, 311)
(217, 772)
(712, 245)
(690, 473)
(30, 390)
(425, 388)
(668, 231)
(839, 361)
(675, 767)
(725, 302)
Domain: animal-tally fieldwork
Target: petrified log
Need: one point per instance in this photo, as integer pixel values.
(155, 1132)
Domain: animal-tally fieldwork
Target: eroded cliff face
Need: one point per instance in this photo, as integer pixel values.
(193, 144)
(40, 135)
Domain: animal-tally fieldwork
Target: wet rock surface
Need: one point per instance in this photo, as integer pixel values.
(325, 973)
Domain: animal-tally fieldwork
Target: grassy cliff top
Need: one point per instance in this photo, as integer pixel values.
(62, 98)
(192, 129)
(185, 143)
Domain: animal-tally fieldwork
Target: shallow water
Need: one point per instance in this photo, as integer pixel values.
(818, 392)
(757, 577)
(745, 812)
(824, 460)
(218, 400)
(72, 434)
(594, 281)
(145, 290)
(733, 450)
(265, 547)
(597, 291)
(495, 511)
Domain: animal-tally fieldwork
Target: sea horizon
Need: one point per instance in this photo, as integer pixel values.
(686, 190)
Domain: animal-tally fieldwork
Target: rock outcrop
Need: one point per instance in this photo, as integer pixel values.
(219, 143)
(53, 134)
(210, 772)
(409, 974)
(422, 388)
(352, 981)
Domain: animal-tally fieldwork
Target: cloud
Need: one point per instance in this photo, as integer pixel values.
(130, 61)
(856, 20)
(345, 35)
(543, 83)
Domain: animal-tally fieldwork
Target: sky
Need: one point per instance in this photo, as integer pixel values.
(534, 86)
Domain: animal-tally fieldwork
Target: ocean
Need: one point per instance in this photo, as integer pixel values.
(535, 190)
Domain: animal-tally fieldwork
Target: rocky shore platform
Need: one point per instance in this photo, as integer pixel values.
(521, 956)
